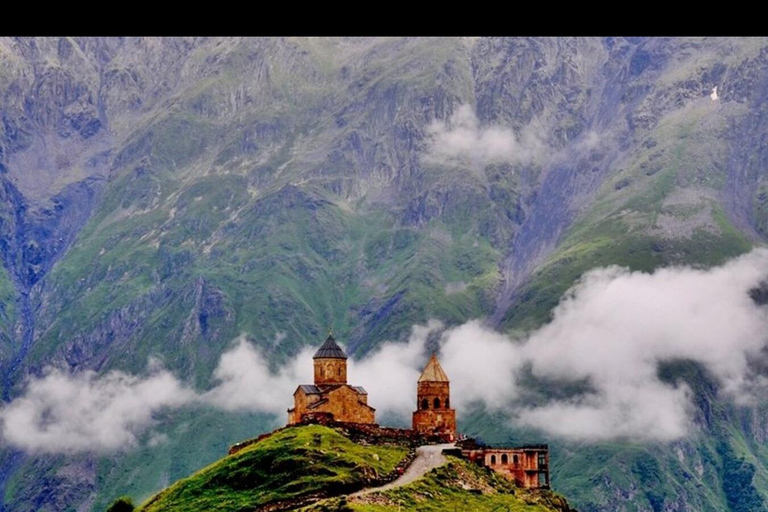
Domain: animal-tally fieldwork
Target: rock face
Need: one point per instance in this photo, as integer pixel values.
(162, 196)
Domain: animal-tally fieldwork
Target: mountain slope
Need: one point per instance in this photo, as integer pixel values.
(160, 197)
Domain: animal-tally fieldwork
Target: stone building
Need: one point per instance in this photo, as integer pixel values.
(527, 466)
(330, 396)
(433, 415)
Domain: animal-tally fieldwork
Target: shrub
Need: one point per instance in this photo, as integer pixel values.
(121, 504)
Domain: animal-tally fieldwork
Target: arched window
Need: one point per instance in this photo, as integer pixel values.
(515, 460)
(339, 371)
(425, 404)
(504, 458)
(493, 460)
(447, 403)
(437, 403)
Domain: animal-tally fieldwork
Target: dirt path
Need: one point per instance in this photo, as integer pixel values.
(427, 457)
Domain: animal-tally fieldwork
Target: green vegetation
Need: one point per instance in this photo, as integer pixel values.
(190, 438)
(458, 485)
(738, 487)
(7, 318)
(292, 463)
(657, 210)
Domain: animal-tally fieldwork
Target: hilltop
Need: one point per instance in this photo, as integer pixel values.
(317, 467)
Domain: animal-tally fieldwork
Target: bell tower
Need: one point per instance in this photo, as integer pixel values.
(330, 364)
(433, 415)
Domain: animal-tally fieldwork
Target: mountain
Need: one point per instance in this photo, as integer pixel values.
(161, 197)
(301, 465)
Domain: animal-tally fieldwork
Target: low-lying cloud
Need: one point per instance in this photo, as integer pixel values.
(462, 140)
(62, 413)
(611, 331)
(244, 381)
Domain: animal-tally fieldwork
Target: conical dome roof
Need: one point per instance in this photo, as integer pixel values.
(433, 372)
(330, 350)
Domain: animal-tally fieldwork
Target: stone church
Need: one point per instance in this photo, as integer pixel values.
(330, 396)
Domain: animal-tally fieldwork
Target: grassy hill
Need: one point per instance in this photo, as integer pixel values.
(293, 463)
(309, 462)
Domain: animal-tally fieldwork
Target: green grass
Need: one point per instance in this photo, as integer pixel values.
(185, 441)
(292, 463)
(7, 312)
(458, 485)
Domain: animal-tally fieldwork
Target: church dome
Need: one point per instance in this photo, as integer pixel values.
(433, 372)
(330, 350)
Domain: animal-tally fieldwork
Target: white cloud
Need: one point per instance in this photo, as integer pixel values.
(462, 140)
(63, 413)
(244, 381)
(589, 141)
(612, 330)
(481, 364)
(390, 374)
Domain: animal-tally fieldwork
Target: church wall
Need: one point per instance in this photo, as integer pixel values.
(435, 421)
(301, 401)
(344, 404)
(431, 391)
(330, 371)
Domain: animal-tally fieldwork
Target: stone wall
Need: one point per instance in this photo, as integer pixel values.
(436, 421)
(343, 403)
(330, 371)
(301, 401)
(431, 391)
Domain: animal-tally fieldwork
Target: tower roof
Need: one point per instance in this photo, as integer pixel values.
(433, 372)
(330, 350)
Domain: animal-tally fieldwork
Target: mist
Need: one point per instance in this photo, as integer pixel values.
(611, 330)
(462, 140)
(61, 413)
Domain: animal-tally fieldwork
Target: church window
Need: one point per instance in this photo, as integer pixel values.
(493, 460)
(425, 404)
(339, 371)
(447, 403)
(515, 460)
(437, 403)
(504, 458)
